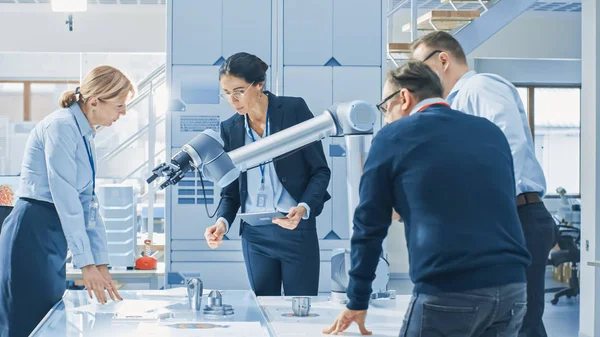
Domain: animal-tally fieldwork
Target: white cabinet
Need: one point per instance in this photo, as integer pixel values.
(196, 32)
(307, 32)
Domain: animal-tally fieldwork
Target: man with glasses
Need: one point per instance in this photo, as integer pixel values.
(450, 176)
(493, 97)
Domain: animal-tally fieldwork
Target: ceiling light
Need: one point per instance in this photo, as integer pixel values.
(69, 5)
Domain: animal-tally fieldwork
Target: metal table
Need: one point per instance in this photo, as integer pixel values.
(166, 313)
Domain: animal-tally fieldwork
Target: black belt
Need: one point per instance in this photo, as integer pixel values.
(528, 198)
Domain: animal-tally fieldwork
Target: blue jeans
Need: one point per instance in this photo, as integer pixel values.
(488, 312)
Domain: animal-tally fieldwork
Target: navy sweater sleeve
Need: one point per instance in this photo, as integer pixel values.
(372, 219)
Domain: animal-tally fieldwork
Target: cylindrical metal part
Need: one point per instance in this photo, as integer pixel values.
(357, 149)
(194, 292)
(283, 142)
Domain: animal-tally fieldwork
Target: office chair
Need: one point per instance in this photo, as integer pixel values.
(568, 241)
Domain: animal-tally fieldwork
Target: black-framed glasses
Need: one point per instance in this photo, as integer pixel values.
(431, 54)
(380, 106)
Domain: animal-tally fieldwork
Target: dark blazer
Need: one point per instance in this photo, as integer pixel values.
(304, 174)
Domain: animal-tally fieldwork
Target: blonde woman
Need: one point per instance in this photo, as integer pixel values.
(57, 206)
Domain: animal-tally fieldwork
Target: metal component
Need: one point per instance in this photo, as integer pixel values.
(391, 58)
(480, 30)
(340, 267)
(453, 6)
(215, 299)
(397, 8)
(301, 306)
(194, 292)
(432, 25)
(390, 294)
(283, 142)
(205, 151)
(414, 31)
(215, 307)
(485, 9)
(357, 149)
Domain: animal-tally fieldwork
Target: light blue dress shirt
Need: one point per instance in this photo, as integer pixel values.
(56, 168)
(277, 197)
(492, 97)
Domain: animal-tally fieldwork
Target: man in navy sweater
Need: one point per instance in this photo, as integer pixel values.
(450, 177)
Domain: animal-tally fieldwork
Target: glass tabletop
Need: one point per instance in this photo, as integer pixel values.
(153, 313)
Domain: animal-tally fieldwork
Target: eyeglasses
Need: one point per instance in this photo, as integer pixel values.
(431, 54)
(237, 95)
(380, 106)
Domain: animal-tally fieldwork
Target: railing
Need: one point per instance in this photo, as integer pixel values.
(146, 90)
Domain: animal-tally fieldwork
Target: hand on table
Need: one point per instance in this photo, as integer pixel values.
(345, 318)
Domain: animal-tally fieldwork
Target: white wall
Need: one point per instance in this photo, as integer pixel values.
(103, 28)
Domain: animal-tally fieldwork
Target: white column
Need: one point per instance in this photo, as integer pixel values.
(590, 171)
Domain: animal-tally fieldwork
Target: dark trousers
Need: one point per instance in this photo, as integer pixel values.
(488, 312)
(539, 229)
(276, 256)
(33, 250)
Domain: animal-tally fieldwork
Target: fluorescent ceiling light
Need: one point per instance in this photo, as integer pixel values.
(69, 5)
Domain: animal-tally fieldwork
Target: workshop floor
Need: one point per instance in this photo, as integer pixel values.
(561, 320)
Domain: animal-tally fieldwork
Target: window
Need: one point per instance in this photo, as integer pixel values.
(557, 134)
(12, 100)
(44, 98)
(556, 126)
(524, 93)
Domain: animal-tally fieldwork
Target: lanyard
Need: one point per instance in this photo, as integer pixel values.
(261, 166)
(90, 157)
(436, 103)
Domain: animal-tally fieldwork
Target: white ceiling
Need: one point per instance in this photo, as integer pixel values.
(93, 2)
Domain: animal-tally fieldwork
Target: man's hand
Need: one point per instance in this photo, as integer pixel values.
(112, 291)
(293, 218)
(214, 234)
(345, 318)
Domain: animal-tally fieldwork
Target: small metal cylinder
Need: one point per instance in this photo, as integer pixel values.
(301, 306)
(194, 292)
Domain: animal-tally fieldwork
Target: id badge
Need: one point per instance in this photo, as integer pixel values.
(261, 200)
(93, 213)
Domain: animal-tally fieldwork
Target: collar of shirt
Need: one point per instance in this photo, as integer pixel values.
(249, 129)
(461, 82)
(425, 102)
(84, 125)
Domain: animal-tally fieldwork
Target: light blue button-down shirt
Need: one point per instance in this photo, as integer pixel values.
(492, 97)
(56, 168)
(277, 197)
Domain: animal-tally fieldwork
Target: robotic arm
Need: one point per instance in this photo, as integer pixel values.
(352, 120)
(205, 151)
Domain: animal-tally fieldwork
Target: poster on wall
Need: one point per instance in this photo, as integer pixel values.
(8, 188)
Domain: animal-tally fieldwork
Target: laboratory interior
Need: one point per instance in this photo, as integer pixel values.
(142, 143)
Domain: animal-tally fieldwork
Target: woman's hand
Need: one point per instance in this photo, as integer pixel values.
(103, 269)
(293, 218)
(214, 234)
(95, 282)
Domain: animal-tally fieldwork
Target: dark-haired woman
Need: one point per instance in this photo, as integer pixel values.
(288, 251)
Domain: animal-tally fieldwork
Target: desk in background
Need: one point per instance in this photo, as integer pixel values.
(124, 276)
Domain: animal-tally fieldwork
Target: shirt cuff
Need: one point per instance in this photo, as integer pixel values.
(83, 259)
(307, 215)
(101, 258)
(226, 223)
